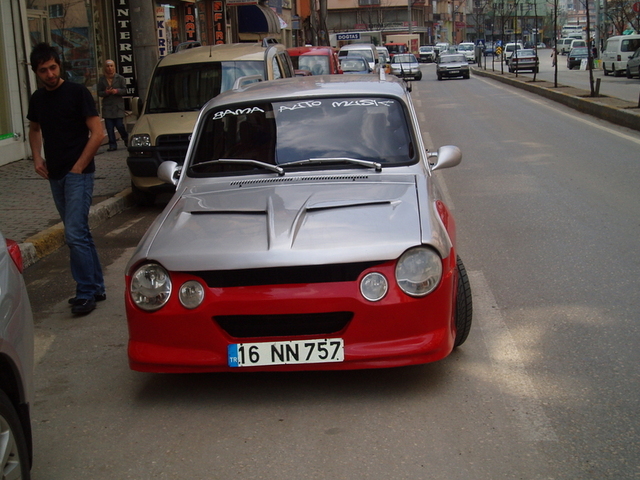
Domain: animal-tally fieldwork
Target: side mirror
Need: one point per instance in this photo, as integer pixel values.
(447, 156)
(136, 106)
(169, 172)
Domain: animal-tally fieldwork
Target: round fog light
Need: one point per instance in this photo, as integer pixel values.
(191, 294)
(374, 286)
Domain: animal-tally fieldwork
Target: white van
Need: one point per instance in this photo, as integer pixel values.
(564, 45)
(509, 48)
(366, 50)
(616, 53)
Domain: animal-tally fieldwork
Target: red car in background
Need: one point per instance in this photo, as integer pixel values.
(317, 60)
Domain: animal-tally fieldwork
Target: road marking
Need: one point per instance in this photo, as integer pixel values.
(553, 106)
(124, 227)
(518, 393)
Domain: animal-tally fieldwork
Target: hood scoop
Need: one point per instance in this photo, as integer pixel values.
(280, 180)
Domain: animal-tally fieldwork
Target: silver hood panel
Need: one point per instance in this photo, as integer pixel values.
(287, 221)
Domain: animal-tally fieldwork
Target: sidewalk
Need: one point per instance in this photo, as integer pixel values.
(29, 216)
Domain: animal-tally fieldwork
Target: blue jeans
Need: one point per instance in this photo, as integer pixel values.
(110, 124)
(72, 195)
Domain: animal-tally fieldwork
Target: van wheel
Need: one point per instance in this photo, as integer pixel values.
(604, 70)
(142, 198)
(629, 73)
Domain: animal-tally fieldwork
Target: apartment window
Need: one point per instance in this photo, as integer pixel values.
(56, 11)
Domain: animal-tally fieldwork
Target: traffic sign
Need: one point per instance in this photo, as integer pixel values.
(636, 7)
(499, 51)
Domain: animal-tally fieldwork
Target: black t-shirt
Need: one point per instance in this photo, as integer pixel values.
(62, 115)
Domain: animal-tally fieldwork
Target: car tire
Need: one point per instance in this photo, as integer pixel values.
(439, 77)
(464, 305)
(466, 76)
(535, 70)
(604, 70)
(142, 198)
(629, 73)
(14, 449)
(419, 76)
(617, 73)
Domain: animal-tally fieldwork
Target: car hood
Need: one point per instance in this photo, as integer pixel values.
(288, 221)
(156, 124)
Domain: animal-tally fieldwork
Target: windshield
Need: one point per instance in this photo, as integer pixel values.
(362, 128)
(404, 59)
(187, 87)
(316, 64)
(366, 53)
(452, 59)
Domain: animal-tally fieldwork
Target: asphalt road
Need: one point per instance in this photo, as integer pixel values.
(546, 385)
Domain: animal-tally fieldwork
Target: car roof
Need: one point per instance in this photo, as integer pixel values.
(366, 85)
(216, 53)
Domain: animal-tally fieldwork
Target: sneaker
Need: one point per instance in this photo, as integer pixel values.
(83, 306)
(98, 297)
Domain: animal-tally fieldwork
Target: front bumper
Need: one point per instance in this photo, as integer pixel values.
(395, 331)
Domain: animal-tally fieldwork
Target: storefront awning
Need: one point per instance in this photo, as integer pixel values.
(257, 19)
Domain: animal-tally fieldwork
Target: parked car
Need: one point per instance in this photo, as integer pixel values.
(405, 65)
(383, 54)
(305, 234)
(354, 64)
(16, 365)
(522, 60)
(508, 50)
(468, 49)
(575, 57)
(427, 54)
(452, 65)
(317, 60)
(616, 53)
(633, 65)
(180, 85)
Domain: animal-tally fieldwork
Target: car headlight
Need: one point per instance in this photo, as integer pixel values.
(374, 286)
(150, 287)
(419, 271)
(191, 294)
(140, 140)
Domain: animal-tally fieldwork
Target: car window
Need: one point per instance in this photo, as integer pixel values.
(363, 128)
(452, 59)
(183, 88)
(277, 73)
(316, 64)
(630, 45)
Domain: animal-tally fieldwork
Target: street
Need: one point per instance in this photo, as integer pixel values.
(546, 386)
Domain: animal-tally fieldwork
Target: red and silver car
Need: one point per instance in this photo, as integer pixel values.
(305, 234)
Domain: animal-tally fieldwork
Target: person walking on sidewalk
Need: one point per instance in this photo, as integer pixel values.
(63, 118)
(112, 87)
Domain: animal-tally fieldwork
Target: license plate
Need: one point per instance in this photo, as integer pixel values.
(454, 71)
(284, 353)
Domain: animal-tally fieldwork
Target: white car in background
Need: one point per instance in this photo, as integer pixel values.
(468, 49)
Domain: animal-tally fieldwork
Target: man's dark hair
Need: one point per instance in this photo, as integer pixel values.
(41, 53)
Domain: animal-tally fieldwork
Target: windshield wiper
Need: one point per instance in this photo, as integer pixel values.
(355, 161)
(242, 161)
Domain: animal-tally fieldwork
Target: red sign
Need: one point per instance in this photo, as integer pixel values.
(636, 7)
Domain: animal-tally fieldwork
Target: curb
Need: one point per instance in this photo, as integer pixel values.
(606, 108)
(46, 242)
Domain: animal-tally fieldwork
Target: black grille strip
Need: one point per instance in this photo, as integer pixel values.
(246, 326)
(347, 272)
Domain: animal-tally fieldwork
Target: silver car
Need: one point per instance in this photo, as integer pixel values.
(305, 233)
(16, 365)
(453, 65)
(405, 65)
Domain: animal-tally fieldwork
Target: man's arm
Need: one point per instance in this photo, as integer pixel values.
(35, 141)
(90, 149)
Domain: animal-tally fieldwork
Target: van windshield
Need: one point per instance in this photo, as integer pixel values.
(362, 128)
(187, 87)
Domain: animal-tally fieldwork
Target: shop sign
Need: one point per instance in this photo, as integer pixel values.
(124, 44)
(218, 22)
(190, 22)
(162, 32)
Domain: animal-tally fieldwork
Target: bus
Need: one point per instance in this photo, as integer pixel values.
(573, 31)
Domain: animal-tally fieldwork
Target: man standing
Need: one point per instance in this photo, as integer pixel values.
(112, 87)
(64, 119)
